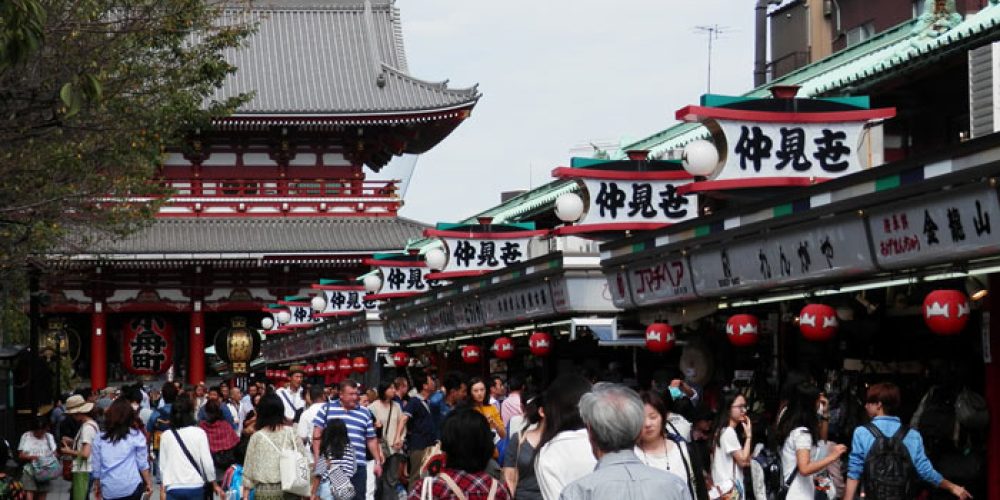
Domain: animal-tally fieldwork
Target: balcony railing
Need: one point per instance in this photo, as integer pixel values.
(282, 188)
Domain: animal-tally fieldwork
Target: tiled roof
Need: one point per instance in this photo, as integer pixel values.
(337, 57)
(860, 67)
(263, 236)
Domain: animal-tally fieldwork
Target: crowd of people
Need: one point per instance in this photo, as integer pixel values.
(468, 439)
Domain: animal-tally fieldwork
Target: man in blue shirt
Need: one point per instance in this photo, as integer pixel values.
(422, 430)
(443, 402)
(360, 430)
(881, 404)
(215, 394)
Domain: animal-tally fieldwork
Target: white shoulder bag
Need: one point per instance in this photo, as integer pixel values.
(294, 468)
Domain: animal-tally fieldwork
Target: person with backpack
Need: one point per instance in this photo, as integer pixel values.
(886, 457)
(336, 464)
(798, 431)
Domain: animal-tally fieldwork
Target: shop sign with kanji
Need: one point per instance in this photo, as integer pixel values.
(518, 303)
(954, 226)
(773, 142)
(823, 250)
(478, 249)
(634, 195)
(407, 280)
(340, 302)
(667, 279)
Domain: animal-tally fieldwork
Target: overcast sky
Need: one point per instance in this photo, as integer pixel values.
(556, 74)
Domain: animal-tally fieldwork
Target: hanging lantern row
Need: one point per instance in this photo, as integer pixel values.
(503, 348)
(400, 359)
(358, 364)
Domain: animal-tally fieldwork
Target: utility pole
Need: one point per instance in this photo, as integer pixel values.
(713, 33)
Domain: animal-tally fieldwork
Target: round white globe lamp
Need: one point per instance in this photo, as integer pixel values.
(701, 158)
(373, 283)
(318, 303)
(436, 259)
(569, 207)
(284, 317)
(267, 323)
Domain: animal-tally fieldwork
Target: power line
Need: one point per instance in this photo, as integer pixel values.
(713, 31)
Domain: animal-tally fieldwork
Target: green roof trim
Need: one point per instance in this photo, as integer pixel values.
(295, 298)
(859, 101)
(783, 210)
(329, 282)
(703, 230)
(388, 256)
(448, 226)
(719, 101)
(577, 162)
(887, 183)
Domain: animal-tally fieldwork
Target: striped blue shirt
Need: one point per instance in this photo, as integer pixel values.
(359, 425)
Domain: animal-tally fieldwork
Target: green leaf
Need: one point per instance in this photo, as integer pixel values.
(66, 94)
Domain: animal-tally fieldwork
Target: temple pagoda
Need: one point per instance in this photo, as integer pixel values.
(269, 200)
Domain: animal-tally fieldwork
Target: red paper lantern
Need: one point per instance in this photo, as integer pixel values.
(660, 337)
(269, 373)
(360, 364)
(742, 330)
(540, 344)
(401, 359)
(331, 367)
(309, 369)
(148, 345)
(503, 348)
(471, 354)
(346, 366)
(282, 374)
(946, 312)
(818, 322)
(321, 368)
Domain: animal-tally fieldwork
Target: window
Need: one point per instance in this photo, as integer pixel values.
(861, 33)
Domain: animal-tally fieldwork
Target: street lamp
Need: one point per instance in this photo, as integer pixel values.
(267, 323)
(373, 282)
(283, 316)
(569, 207)
(318, 303)
(436, 259)
(700, 158)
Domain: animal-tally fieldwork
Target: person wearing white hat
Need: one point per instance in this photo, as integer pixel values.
(80, 410)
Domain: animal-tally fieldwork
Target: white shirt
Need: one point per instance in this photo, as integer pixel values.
(294, 397)
(681, 424)
(175, 469)
(672, 461)
(86, 435)
(304, 429)
(802, 486)
(46, 446)
(723, 466)
(564, 459)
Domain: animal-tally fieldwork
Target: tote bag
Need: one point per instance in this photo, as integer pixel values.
(294, 467)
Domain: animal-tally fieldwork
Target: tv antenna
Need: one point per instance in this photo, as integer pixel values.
(713, 31)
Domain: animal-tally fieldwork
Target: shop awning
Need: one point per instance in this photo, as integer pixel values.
(554, 286)
(331, 337)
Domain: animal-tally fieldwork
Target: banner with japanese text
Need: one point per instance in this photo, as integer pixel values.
(147, 345)
(637, 200)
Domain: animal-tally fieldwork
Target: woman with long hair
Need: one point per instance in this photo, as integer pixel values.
(662, 446)
(391, 436)
(519, 462)
(481, 403)
(563, 453)
(730, 456)
(120, 459)
(798, 431)
(336, 464)
(261, 471)
(467, 442)
(184, 478)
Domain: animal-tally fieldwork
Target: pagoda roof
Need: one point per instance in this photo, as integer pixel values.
(255, 238)
(906, 47)
(330, 58)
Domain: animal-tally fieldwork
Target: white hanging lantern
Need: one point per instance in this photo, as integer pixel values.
(569, 207)
(284, 317)
(267, 323)
(373, 283)
(318, 303)
(436, 259)
(701, 158)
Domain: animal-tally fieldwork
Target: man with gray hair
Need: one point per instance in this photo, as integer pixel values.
(614, 416)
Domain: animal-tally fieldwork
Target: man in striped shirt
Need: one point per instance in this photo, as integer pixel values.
(360, 430)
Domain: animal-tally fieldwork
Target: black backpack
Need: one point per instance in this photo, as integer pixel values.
(888, 472)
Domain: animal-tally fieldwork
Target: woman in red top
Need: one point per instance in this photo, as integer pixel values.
(467, 443)
(222, 439)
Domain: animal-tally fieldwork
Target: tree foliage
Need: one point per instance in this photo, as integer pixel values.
(91, 92)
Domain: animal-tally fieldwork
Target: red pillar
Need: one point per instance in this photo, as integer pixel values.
(196, 343)
(98, 348)
(992, 390)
